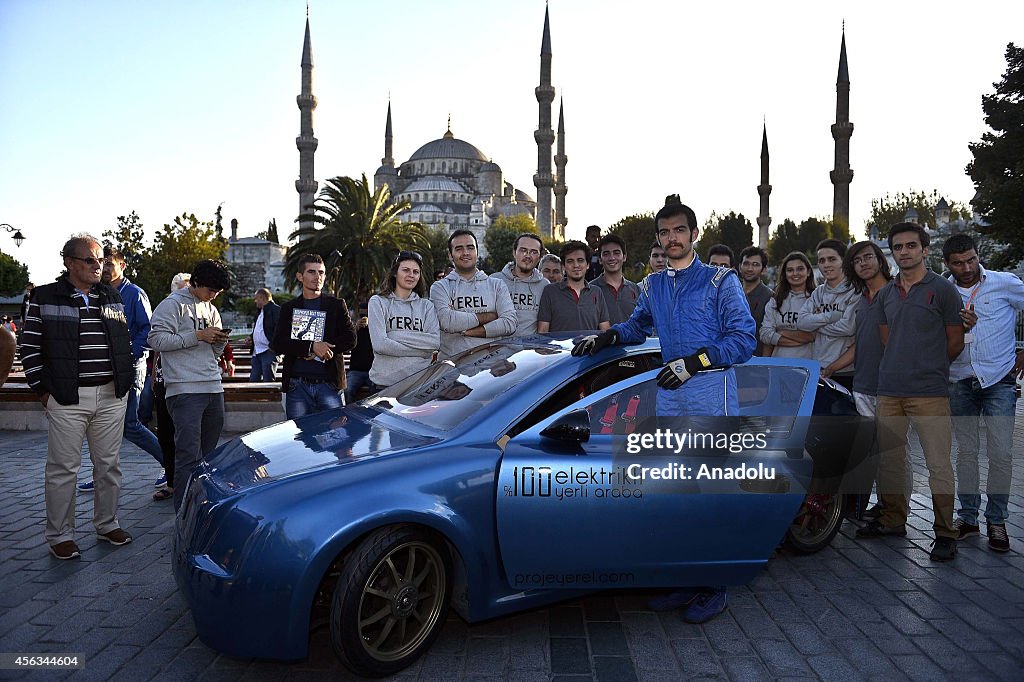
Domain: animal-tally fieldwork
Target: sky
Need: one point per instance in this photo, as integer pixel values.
(168, 107)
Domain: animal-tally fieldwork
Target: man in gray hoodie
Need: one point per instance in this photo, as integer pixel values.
(471, 307)
(524, 281)
(830, 312)
(185, 330)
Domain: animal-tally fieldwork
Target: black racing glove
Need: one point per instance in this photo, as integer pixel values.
(677, 372)
(592, 344)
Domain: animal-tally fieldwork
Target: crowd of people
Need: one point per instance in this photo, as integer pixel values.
(914, 349)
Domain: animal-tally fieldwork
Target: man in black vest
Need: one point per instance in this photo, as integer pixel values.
(77, 354)
(264, 359)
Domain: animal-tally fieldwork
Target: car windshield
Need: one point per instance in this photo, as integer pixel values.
(450, 392)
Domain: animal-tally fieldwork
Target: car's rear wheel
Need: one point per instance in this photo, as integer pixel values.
(390, 601)
(816, 523)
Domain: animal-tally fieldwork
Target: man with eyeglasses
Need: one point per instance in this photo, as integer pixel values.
(77, 355)
(186, 331)
(524, 281)
(314, 331)
(137, 311)
(922, 332)
(471, 307)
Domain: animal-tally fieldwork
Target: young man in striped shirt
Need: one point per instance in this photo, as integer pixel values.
(77, 355)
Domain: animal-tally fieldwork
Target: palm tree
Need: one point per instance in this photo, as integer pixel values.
(358, 234)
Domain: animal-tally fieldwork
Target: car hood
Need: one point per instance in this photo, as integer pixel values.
(341, 437)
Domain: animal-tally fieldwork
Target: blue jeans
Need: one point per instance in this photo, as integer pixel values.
(264, 366)
(134, 431)
(305, 398)
(356, 380)
(968, 401)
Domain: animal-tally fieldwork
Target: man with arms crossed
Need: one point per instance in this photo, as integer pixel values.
(524, 281)
(78, 359)
(922, 333)
(619, 293)
(983, 381)
(314, 327)
(471, 307)
(695, 343)
(572, 305)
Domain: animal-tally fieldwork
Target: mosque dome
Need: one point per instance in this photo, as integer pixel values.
(448, 147)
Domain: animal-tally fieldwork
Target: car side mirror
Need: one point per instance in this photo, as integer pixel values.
(573, 427)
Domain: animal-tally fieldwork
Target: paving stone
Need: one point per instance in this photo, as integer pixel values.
(103, 665)
(488, 655)
(607, 639)
(696, 659)
(726, 637)
(807, 639)
(834, 667)
(744, 668)
(781, 658)
(566, 621)
(569, 655)
(614, 669)
(919, 667)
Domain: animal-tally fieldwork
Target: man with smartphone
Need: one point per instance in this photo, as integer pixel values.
(185, 330)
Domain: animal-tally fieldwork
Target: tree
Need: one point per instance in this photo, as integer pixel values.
(435, 255)
(177, 247)
(13, 275)
(270, 234)
(128, 237)
(810, 232)
(638, 232)
(784, 240)
(998, 166)
(890, 210)
(733, 230)
(501, 236)
(363, 226)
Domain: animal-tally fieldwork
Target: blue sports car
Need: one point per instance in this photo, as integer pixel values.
(508, 478)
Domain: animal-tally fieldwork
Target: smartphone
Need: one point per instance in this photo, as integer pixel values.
(227, 331)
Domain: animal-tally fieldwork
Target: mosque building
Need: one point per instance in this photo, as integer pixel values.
(449, 181)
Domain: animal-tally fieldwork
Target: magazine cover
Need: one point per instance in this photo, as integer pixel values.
(308, 325)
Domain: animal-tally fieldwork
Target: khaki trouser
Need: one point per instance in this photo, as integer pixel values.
(98, 417)
(930, 417)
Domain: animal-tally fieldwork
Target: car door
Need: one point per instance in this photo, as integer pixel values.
(588, 515)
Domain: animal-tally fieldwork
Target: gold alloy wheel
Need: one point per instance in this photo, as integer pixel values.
(402, 601)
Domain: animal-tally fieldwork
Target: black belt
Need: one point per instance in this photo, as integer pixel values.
(311, 380)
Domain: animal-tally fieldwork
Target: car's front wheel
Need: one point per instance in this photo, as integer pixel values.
(390, 601)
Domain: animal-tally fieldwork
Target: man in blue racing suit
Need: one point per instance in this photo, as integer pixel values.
(704, 326)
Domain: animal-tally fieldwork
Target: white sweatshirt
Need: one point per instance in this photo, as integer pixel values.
(457, 302)
(525, 293)
(775, 321)
(831, 313)
(404, 333)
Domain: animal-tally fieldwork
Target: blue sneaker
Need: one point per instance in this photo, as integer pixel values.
(706, 606)
(676, 600)
(162, 481)
(87, 486)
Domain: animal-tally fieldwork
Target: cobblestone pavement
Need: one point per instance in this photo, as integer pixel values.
(857, 610)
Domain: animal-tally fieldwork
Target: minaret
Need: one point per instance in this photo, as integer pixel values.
(544, 136)
(387, 174)
(389, 159)
(306, 184)
(842, 129)
(560, 189)
(763, 190)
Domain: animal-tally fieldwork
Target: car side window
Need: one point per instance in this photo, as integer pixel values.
(590, 382)
(618, 413)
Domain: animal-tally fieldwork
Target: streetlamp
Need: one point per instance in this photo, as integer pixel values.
(18, 236)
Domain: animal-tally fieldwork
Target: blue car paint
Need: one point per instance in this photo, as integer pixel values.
(251, 569)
